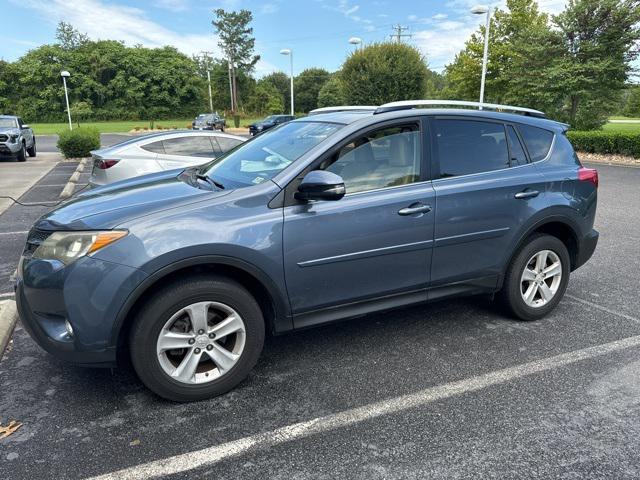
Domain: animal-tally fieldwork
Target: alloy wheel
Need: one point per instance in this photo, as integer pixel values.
(201, 342)
(541, 278)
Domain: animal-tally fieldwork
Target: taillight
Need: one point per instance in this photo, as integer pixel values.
(588, 175)
(104, 164)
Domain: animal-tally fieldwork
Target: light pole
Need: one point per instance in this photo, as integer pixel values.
(210, 99)
(288, 51)
(355, 41)
(231, 89)
(64, 74)
(482, 10)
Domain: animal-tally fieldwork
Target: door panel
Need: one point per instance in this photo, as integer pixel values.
(357, 248)
(477, 218)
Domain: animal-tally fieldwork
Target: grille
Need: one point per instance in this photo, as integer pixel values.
(4, 138)
(34, 239)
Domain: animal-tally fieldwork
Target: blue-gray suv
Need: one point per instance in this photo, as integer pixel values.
(323, 218)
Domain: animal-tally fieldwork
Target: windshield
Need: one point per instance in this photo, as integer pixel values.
(268, 154)
(8, 123)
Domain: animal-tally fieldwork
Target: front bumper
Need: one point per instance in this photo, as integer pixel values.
(87, 293)
(10, 148)
(587, 247)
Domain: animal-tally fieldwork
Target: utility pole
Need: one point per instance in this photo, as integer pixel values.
(399, 35)
(205, 55)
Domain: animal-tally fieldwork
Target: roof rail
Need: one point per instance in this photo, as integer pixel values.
(409, 104)
(344, 108)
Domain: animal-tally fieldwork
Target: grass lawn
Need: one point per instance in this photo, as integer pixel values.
(125, 126)
(622, 127)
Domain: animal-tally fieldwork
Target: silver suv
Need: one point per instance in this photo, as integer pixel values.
(16, 138)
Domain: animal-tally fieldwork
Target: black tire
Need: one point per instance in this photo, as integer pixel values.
(22, 154)
(510, 296)
(171, 299)
(32, 150)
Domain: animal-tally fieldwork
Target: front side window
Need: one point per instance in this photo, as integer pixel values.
(225, 144)
(190, 146)
(537, 140)
(265, 156)
(469, 146)
(379, 159)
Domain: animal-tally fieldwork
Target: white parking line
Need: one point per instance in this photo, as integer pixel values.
(604, 309)
(211, 455)
(21, 232)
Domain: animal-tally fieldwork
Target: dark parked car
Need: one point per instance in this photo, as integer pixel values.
(209, 121)
(269, 122)
(16, 138)
(323, 218)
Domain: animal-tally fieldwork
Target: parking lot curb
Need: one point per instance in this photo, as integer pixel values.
(68, 189)
(8, 319)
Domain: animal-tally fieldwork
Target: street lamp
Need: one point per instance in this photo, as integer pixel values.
(64, 74)
(355, 41)
(288, 51)
(482, 10)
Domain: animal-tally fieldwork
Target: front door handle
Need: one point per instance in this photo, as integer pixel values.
(415, 208)
(527, 194)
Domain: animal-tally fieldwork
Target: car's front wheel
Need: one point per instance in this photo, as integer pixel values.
(22, 153)
(197, 338)
(537, 278)
(32, 149)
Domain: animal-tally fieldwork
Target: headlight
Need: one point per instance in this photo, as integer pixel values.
(13, 138)
(67, 247)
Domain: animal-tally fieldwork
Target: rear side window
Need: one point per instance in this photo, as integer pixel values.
(155, 147)
(225, 144)
(189, 146)
(518, 156)
(468, 146)
(537, 140)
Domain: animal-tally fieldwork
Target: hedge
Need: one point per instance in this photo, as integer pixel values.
(606, 142)
(78, 142)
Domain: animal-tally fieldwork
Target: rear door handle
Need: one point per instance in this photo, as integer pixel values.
(415, 208)
(527, 194)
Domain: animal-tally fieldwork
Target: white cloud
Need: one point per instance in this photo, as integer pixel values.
(173, 5)
(269, 8)
(440, 16)
(101, 20)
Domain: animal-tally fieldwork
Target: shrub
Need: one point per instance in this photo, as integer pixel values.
(620, 143)
(78, 142)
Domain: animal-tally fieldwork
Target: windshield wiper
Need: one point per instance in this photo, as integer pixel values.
(209, 180)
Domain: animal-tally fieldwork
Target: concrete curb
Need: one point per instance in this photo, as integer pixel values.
(8, 319)
(68, 189)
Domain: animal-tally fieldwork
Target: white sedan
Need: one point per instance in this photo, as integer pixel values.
(157, 152)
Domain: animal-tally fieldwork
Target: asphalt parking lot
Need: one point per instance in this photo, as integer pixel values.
(448, 390)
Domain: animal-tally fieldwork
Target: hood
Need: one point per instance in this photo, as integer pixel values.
(112, 205)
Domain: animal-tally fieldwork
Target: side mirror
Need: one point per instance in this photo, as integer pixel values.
(321, 185)
(24, 126)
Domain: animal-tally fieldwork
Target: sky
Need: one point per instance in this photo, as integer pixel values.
(317, 31)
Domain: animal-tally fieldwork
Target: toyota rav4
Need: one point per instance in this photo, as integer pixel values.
(323, 218)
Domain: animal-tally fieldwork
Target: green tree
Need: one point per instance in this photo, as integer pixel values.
(81, 111)
(331, 94)
(265, 99)
(280, 81)
(307, 86)
(383, 72)
(235, 38)
(68, 37)
(632, 107)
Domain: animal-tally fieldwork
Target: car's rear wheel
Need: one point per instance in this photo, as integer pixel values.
(32, 149)
(22, 154)
(537, 278)
(197, 338)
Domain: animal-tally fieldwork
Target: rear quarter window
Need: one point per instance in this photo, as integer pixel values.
(537, 140)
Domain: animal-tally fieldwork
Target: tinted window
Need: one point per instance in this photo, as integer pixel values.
(467, 146)
(189, 146)
(384, 158)
(518, 156)
(225, 144)
(155, 147)
(537, 140)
